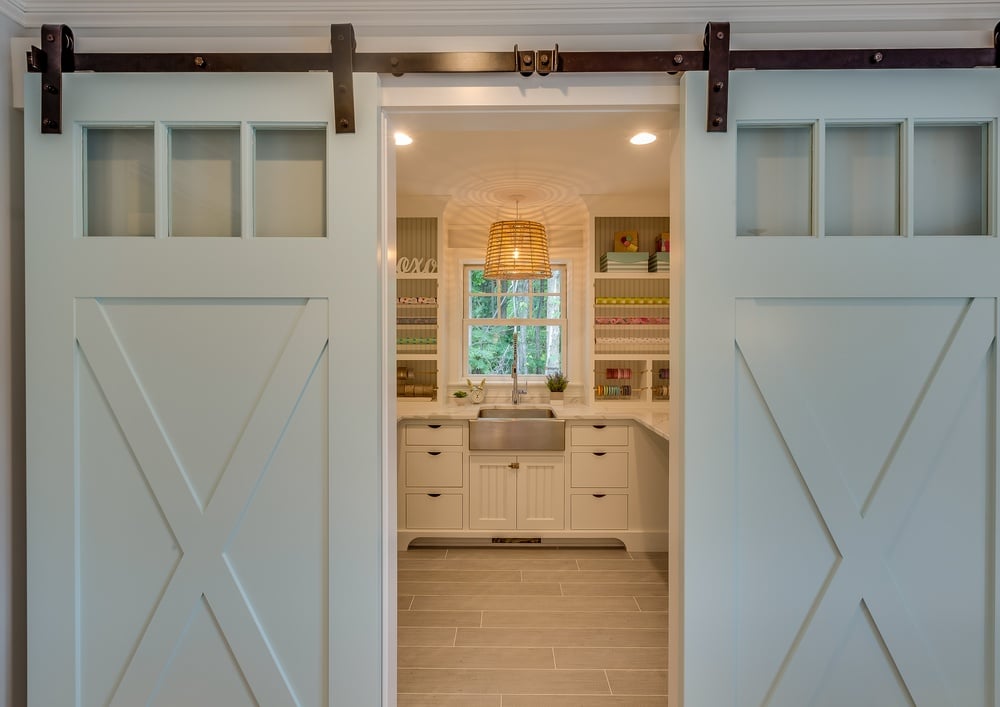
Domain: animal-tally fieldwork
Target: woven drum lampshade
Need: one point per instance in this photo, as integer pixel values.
(517, 250)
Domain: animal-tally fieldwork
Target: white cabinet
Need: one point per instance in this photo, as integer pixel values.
(516, 492)
(599, 511)
(611, 482)
(601, 469)
(432, 475)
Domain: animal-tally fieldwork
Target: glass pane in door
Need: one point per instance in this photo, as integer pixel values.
(862, 180)
(950, 180)
(290, 182)
(205, 181)
(774, 180)
(118, 182)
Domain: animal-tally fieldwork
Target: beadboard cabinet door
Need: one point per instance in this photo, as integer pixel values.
(203, 488)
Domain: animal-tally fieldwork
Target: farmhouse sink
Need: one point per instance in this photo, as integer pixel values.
(517, 429)
(516, 413)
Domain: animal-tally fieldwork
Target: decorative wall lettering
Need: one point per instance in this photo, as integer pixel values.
(417, 265)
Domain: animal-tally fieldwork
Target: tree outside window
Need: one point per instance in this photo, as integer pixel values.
(494, 309)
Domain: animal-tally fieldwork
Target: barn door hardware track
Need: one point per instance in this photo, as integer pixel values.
(56, 57)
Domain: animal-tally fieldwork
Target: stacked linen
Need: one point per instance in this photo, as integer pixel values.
(624, 262)
(659, 262)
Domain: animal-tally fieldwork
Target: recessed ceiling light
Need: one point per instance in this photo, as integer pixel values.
(642, 138)
(402, 139)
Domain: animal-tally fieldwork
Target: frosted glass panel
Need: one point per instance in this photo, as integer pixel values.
(119, 182)
(205, 182)
(774, 180)
(862, 180)
(949, 180)
(290, 182)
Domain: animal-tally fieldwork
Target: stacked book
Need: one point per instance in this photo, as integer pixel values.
(659, 262)
(624, 262)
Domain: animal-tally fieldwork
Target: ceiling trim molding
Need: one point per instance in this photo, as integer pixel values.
(13, 10)
(377, 17)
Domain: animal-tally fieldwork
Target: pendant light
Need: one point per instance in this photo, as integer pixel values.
(517, 250)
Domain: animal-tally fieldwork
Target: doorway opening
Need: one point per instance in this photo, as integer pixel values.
(461, 607)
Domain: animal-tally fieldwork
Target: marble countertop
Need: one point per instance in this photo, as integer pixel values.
(653, 421)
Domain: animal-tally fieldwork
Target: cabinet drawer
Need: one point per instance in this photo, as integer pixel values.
(599, 512)
(435, 434)
(604, 469)
(434, 469)
(599, 435)
(439, 510)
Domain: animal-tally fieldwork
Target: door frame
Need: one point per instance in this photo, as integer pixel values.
(494, 94)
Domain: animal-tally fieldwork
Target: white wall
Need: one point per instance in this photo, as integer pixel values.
(12, 629)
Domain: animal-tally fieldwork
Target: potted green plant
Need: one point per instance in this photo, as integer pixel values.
(460, 396)
(556, 383)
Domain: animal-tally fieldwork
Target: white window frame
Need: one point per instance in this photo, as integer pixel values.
(467, 322)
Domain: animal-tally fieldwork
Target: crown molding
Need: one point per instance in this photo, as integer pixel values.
(487, 17)
(13, 10)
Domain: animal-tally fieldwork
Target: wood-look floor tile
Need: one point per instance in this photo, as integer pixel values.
(503, 681)
(457, 575)
(450, 618)
(423, 553)
(537, 553)
(479, 588)
(424, 636)
(652, 603)
(642, 563)
(403, 601)
(635, 589)
(638, 682)
(579, 701)
(501, 563)
(574, 619)
(659, 555)
(605, 576)
(475, 657)
(607, 637)
(448, 700)
(522, 603)
(619, 658)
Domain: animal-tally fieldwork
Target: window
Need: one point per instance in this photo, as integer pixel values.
(494, 309)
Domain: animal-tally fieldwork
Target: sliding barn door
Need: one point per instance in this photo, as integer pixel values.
(838, 314)
(203, 394)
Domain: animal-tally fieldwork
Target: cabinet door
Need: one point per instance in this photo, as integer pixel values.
(541, 494)
(492, 492)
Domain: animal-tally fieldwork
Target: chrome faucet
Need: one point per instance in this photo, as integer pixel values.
(515, 395)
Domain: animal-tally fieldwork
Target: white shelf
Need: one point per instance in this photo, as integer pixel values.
(632, 275)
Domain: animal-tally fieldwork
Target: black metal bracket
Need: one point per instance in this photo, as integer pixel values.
(56, 57)
(717, 60)
(52, 60)
(343, 47)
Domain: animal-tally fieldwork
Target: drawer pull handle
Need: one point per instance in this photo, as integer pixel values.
(433, 495)
(599, 427)
(514, 465)
(434, 427)
(433, 454)
(600, 495)
(598, 454)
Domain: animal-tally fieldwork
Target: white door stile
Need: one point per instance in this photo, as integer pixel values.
(809, 576)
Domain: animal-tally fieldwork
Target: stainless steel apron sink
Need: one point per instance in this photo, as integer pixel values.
(515, 429)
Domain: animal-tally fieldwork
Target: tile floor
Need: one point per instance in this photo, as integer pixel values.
(532, 627)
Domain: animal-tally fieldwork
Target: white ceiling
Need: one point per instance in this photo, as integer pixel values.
(551, 163)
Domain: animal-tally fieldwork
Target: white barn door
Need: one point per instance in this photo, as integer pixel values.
(204, 446)
(838, 380)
